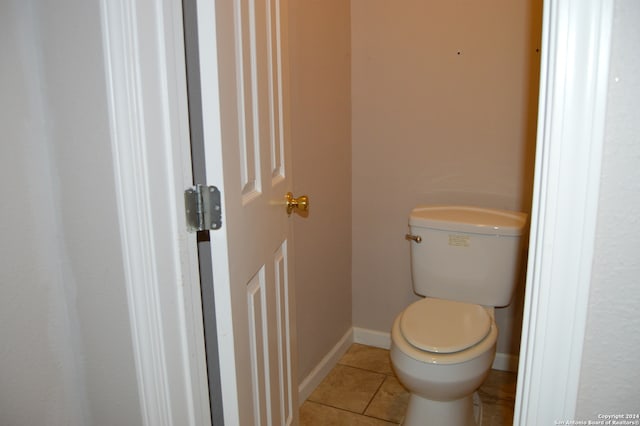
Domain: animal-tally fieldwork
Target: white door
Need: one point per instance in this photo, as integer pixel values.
(243, 72)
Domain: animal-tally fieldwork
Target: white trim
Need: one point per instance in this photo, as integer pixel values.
(573, 85)
(315, 377)
(505, 362)
(374, 338)
(144, 69)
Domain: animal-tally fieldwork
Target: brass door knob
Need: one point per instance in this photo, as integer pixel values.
(300, 203)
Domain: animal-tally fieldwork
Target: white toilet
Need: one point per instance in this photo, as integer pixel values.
(465, 261)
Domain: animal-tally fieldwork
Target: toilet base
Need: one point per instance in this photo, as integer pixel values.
(460, 412)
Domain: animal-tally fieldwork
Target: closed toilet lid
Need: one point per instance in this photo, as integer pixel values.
(444, 326)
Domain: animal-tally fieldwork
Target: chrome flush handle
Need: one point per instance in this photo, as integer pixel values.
(416, 238)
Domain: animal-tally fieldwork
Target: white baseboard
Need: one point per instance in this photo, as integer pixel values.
(323, 368)
(379, 339)
(374, 338)
(505, 362)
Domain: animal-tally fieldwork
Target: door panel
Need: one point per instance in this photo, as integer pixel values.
(247, 149)
(275, 75)
(249, 115)
(258, 322)
(284, 366)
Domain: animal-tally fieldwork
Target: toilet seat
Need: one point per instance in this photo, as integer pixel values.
(444, 326)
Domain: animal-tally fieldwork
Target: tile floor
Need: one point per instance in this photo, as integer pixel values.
(362, 390)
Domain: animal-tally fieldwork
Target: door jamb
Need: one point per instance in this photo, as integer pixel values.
(576, 40)
(149, 131)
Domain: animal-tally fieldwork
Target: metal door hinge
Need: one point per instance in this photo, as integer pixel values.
(202, 204)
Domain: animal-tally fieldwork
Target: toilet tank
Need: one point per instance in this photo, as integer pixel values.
(468, 254)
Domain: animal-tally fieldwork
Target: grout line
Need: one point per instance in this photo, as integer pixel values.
(346, 410)
(353, 412)
(366, 369)
(374, 395)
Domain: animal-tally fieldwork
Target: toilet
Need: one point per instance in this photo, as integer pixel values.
(465, 261)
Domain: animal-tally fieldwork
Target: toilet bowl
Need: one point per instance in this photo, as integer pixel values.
(442, 385)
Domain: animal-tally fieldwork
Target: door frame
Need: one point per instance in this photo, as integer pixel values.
(576, 43)
(149, 133)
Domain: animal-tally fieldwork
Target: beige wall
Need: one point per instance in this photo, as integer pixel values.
(321, 132)
(443, 111)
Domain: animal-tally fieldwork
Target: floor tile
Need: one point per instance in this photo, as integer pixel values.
(368, 358)
(313, 414)
(390, 402)
(348, 388)
(362, 390)
(498, 398)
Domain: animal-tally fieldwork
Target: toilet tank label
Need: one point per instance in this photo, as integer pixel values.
(459, 240)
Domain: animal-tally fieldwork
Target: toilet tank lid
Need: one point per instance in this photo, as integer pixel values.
(476, 220)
